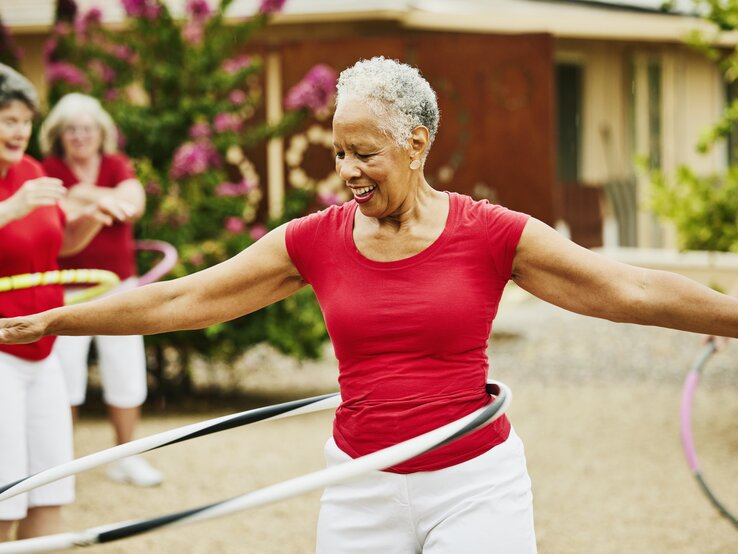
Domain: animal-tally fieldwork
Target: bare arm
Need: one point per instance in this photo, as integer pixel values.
(556, 270)
(258, 276)
(129, 195)
(34, 193)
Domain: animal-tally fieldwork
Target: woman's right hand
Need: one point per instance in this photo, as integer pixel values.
(22, 330)
(42, 191)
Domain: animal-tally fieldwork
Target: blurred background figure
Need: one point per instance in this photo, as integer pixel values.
(36, 427)
(79, 141)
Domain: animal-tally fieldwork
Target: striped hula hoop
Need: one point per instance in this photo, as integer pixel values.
(690, 452)
(102, 279)
(376, 461)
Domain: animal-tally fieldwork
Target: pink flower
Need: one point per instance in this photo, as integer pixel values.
(258, 231)
(193, 158)
(329, 199)
(271, 6)
(153, 188)
(200, 131)
(225, 122)
(90, 18)
(103, 71)
(316, 90)
(234, 225)
(111, 95)
(66, 73)
(197, 259)
(234, 189)
(198, 9)
(49, 48)
(234, 65)
(147, 9)
(193, 32)
(120, 51)
(237, 97)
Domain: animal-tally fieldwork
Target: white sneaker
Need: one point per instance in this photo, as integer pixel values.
(136, 471)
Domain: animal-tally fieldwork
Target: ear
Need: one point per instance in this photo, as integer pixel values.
(419, 141)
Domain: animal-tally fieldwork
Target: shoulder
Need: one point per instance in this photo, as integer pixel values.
(29, 168)
(117, 160)
(485, 212)
(52, 163)
(333, 216)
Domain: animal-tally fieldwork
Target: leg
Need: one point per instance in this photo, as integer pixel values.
(483, 506)
(123, 371)
(15, 375)
(6, 528)
(49, 444)
(124, 422)
(367, 515)
(41, 520)
(72, 353)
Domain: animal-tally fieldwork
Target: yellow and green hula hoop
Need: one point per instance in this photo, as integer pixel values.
(102, 280)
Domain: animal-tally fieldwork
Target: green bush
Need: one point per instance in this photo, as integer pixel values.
(187, 98)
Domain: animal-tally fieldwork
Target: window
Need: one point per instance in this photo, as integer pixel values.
(569, 124)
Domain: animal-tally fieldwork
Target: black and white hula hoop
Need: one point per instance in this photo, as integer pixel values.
(280, 491)
(690, 452)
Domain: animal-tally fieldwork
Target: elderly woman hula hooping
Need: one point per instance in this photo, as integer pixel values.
(80, 143)
(34, 231)
(409, 279)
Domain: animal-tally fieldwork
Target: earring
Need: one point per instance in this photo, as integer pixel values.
(415, 164)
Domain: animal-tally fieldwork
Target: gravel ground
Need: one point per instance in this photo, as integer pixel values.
(596, 403)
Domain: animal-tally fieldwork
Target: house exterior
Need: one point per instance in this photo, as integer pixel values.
(546, 105)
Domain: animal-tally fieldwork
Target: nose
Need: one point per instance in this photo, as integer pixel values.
(347, 169)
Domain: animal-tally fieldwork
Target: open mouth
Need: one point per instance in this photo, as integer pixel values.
(363, 192)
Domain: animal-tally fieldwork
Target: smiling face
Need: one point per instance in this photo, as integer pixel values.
(16, 121)
(81, 138)
(370, 162)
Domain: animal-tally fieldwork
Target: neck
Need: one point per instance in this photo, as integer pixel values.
(419, 205)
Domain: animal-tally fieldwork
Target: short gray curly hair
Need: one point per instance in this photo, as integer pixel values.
(14, 86)
(394, 91)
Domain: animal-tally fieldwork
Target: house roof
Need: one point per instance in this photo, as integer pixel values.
(599, 19)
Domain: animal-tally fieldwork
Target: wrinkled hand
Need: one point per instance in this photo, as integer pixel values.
(105, 209)
(43, 191)
(21, 330)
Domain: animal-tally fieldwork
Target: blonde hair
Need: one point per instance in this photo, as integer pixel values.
(70, 107)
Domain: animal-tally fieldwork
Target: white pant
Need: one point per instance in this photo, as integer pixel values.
(482, 506)
(122, 362)
(35, 431)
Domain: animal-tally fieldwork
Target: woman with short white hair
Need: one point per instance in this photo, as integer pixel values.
(409, 279)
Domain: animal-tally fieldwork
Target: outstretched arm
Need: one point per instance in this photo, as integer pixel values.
(556, 270)
(258, 276)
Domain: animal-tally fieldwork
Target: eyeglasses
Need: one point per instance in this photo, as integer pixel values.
(72, 130)
(12, 125)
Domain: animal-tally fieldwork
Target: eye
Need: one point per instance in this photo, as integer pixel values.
(340, 155)
(364, 157)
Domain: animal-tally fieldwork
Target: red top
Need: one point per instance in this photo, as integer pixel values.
(411, 335)
(29, 245)
(113, 248)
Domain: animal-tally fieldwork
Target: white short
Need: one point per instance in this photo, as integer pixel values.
(482, 506)
(35, 431)
(122, 363)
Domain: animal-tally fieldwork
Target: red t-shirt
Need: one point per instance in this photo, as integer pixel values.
(29, 245)
(411, 335)
(113, 248)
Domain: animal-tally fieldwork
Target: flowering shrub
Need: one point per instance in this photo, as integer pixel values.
(186, 97)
